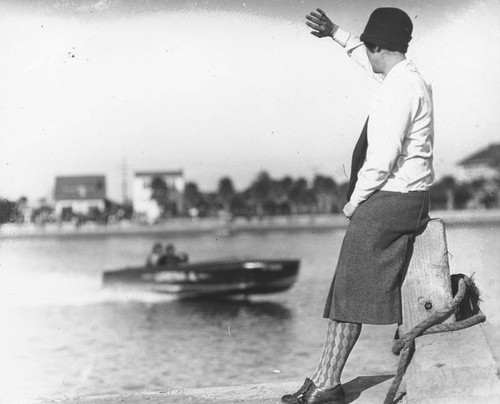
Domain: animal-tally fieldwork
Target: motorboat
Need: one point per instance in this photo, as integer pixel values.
(209, 278)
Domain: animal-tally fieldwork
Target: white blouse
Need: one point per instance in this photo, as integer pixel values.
(400, 128)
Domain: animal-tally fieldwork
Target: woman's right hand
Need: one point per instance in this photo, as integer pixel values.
(320, 23)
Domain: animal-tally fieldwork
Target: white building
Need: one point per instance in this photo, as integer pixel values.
(79, 195)
(158, 193)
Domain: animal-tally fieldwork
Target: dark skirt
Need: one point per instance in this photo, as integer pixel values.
(366, 287)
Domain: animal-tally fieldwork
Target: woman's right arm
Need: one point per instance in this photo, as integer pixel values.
(324, 27)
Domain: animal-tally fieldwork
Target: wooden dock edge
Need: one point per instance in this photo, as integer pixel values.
(369, 389)
(453, 367)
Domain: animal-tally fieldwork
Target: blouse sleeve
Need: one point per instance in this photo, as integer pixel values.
(356, 50)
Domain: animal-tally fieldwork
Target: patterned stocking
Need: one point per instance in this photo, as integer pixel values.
(340, 339)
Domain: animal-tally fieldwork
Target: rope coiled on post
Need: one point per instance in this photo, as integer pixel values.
(405, 346)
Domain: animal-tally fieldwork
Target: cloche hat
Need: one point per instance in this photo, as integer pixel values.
(389, 28)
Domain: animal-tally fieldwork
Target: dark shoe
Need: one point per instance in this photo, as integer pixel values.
(292, 398)
(313, 395)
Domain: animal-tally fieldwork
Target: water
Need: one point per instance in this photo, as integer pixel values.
(64, 335)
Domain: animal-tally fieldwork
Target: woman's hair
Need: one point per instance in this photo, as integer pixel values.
(377, 48)
(372, 47)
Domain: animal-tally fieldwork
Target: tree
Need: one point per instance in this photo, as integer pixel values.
(280, 194)
(449, 184)
(21, 210)
(325, 193)
(281, 189)
(226, 192)
(443, 193)
(301, 197)
(7, 211)
(260, 191)
(239, 206)
(192, 195)
(160, 193)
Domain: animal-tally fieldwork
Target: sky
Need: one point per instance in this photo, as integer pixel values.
(220, 88)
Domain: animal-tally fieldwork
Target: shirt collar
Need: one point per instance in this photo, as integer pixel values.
(405, 64)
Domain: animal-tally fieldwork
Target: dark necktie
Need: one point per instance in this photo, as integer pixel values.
(358, 158)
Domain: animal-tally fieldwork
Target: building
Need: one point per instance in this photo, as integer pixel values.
(157, 194)
(79, 195)
(484, 164)
(482, 171)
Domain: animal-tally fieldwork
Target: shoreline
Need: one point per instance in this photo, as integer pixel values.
(220, 227)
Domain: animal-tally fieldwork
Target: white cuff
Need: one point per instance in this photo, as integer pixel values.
(355, 201)
(341, 36)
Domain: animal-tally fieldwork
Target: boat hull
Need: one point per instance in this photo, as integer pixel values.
(214, 278)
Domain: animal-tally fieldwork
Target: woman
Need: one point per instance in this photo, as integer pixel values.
(388, 199)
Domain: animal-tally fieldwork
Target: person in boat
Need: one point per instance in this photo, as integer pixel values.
(155, 255)
(388, 199)
(170, 257)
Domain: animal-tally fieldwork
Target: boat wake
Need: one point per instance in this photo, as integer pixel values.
(56, 289)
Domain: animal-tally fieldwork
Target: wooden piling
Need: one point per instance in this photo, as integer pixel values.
(427, 285)
(454, 367)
